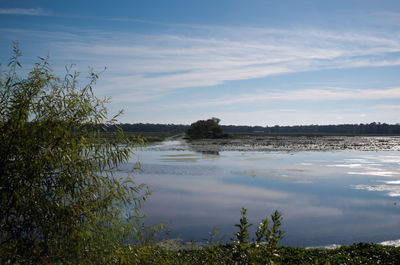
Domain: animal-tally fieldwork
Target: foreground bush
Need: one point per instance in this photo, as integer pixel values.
(59, 198)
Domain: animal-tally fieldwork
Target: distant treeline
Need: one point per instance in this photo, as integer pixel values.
(371, 128)
(150, 127)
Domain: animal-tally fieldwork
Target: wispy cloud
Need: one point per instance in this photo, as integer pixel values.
(152, 65)
(165, 62)
(24, 11)
(316, 94)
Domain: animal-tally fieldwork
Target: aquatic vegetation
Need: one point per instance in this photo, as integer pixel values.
(297, 143)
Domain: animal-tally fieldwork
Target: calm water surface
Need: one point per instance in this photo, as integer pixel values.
(338, 197)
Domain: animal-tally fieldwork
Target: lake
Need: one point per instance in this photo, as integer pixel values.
(326, 197)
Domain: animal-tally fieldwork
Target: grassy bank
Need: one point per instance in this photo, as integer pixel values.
(361, 253)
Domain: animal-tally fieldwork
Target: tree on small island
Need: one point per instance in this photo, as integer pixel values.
(206, 129)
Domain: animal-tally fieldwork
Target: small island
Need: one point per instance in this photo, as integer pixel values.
(206, 129)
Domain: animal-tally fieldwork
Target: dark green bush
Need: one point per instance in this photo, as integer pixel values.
(60, 200)
(206, 129)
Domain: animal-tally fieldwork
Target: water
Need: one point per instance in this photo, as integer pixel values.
(330, 197)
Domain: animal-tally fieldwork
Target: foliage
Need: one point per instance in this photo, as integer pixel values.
(60, 200)
(274, 235)
(361, 253)
(206, 129)
(267, 237)
(241, 244)
(243, 235)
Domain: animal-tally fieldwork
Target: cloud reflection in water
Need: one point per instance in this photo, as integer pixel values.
(196, 195)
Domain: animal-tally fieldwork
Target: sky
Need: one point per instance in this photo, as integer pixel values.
(249, 62)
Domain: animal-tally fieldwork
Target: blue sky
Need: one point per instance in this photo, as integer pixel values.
(245, 62)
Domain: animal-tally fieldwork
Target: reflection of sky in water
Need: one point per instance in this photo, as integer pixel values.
(325, 197)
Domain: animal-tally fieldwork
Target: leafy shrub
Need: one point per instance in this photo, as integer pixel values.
(266, 241)
(60, 200)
